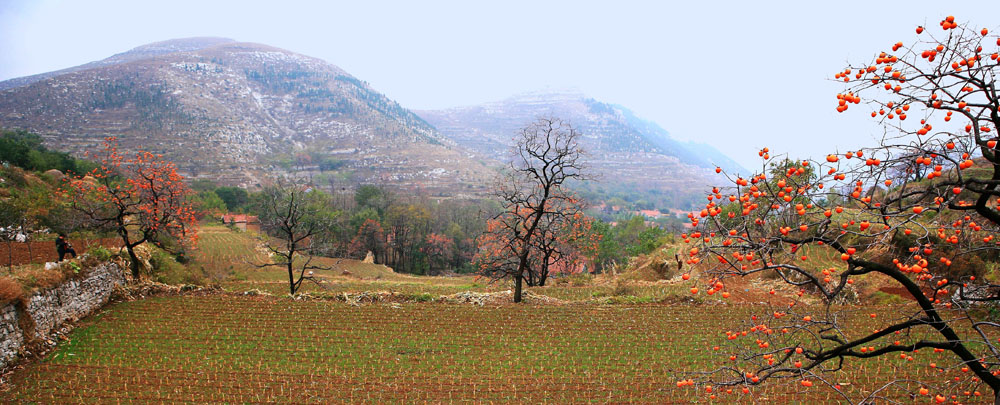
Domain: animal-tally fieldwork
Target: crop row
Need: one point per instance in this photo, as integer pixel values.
(241, 349)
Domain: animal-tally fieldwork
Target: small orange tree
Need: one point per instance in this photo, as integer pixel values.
(142, 198)
(370, 238)
(918, 211)
(439, 250)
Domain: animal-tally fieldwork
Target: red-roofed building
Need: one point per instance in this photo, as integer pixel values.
(242, 221)
(651, 214)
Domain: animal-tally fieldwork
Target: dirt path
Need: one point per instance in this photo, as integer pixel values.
(41, 252)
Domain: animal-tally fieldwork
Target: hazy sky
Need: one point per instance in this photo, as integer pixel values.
(738, 75)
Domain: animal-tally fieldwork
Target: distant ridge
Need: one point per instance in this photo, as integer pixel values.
(608, 127)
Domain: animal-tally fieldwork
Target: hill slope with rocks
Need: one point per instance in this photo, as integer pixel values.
(238, 112)
(625, 151)
(244, 113)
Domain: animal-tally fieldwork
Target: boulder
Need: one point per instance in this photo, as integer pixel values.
(55, 174)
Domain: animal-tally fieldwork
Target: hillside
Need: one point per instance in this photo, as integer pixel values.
(626, 151)
(238, 112)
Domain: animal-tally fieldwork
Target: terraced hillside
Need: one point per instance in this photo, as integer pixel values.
(240, 113)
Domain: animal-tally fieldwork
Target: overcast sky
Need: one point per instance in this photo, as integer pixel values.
(738, 75)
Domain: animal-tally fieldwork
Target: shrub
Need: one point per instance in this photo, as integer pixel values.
(623, 288)
(100, 253)
(576, 280)
(73, 267)
(40, 278)
(14, 176)
(166, 269)
(10, 290)
(423, 297)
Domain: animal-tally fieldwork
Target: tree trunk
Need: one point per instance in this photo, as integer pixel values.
(291, 277)
(522, 265)
(544, 273)
(134, 261)
(517, 287)
(130, 247)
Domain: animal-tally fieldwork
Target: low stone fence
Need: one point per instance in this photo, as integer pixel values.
(45, 311)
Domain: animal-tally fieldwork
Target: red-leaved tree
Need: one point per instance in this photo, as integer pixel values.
(565, 246)
(563, 242)
(370, 238)
(440, 249)
(140, 197)
(918, 213)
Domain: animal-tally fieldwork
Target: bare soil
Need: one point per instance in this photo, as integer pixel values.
(41, 252)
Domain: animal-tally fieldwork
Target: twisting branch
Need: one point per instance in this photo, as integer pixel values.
(142, 198)
(520, 241)
(920, 209)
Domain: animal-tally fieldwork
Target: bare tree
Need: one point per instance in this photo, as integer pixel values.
(531, 192)
(300, 218)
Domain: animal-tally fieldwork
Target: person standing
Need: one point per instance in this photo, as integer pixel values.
(63, 247)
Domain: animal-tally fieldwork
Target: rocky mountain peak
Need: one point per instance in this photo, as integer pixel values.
(176, 45)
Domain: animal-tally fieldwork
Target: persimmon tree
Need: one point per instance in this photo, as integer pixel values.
(301, 221)
(533, 200)
(918, 212)
(140, 197)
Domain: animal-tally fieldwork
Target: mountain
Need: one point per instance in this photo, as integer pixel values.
(239, 112)
(145, 51)
(630, 155)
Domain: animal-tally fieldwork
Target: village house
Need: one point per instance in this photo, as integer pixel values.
(651, 214)
(242, 222)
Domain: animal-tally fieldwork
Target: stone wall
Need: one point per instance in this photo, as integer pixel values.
(47, 310)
